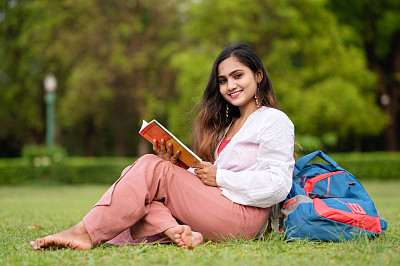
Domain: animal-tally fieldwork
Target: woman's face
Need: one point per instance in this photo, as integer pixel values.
(238, 83)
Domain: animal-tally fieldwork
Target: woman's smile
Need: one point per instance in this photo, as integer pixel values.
(235, 93)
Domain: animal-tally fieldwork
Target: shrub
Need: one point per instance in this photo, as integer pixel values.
(103, 170)
(44, 163)
(14, 171)
(373, 165)
(41, 156)
(95, 170)
(71, 171)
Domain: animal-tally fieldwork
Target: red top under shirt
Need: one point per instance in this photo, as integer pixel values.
(222, 145)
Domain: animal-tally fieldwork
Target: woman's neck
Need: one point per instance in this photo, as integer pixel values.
(247, 110)
(239, 122)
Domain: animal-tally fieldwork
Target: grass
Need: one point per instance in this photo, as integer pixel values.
(59, 207)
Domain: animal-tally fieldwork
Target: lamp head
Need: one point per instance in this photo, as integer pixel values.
(50, 83)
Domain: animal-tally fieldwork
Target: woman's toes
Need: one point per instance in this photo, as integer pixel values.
(41, 243)
(178, 230)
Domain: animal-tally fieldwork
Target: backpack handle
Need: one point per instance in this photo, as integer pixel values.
(302, 162)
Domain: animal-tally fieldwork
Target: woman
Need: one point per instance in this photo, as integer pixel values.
(247, 147)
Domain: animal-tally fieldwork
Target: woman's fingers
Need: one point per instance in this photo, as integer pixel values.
(165, 151)
(169, 149)
(159, 150)
(162, 146)
(196, 165)
(206, 172)
(155, 147)
(174, 158)
(197, 171)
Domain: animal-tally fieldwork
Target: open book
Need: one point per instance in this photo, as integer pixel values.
(154, 130)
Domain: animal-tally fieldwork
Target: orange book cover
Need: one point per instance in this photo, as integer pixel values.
(154, 130)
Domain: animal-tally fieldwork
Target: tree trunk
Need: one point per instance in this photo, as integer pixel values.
(388, 70)
(394, 134)
(120, 113)
(357, 143)
(143, 147)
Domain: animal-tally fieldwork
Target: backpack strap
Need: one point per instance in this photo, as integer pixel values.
(302, 162)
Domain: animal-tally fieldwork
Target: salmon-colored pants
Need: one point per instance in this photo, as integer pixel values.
(153, 195)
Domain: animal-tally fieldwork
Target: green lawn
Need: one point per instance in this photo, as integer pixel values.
(59, 207)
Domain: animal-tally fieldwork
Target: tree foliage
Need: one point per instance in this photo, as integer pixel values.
(118, 62)
(377, 31)
(109, 57)
(20, 79)
(321, 80)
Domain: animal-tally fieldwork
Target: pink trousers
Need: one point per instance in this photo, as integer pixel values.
(153, 195)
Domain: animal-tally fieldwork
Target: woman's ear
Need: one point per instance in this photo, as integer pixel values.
(259, 76)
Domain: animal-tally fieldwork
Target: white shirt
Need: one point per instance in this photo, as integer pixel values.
(255, 168)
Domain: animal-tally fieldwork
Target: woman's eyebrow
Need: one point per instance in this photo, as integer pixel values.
(232, 73)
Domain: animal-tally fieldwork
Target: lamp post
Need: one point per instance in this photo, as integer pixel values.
(50, 86)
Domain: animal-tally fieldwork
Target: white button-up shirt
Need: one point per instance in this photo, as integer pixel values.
(256, 166)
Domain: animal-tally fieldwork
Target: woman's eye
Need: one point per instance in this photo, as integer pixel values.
(238, 76)
(222, 81)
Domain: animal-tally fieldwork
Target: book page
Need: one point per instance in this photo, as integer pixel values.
(144, 124)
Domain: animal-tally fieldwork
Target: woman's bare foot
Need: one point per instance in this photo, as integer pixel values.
(186, 238)
(76, 238)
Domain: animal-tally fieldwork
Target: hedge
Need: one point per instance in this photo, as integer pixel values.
(72, 170)
(369, 165)
(81, 170)
(375, 165)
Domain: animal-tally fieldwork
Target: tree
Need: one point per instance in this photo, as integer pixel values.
(321, 79)
(377, 28)
(111, 58)
(121, 61)
(21, 76)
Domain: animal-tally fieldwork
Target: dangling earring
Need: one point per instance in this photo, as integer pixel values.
(227, 110)
(257, 95)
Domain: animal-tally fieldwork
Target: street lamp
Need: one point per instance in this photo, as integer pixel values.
(50, 86)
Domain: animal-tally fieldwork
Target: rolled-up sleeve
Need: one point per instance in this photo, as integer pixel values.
(270, 181)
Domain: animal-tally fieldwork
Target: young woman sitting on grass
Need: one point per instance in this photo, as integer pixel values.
(246, 143)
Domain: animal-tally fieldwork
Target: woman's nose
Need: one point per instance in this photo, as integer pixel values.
(231, 84)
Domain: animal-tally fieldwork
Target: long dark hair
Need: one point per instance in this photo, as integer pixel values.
(211, 119)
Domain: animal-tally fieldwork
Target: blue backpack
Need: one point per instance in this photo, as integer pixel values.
(327, 203)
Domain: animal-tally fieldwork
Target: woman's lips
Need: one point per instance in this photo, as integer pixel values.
(235, 94)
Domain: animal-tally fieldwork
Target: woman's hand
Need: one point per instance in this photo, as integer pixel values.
(206, 172)
(165, 153)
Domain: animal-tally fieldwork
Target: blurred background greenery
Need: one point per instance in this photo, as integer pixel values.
(334, 64)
